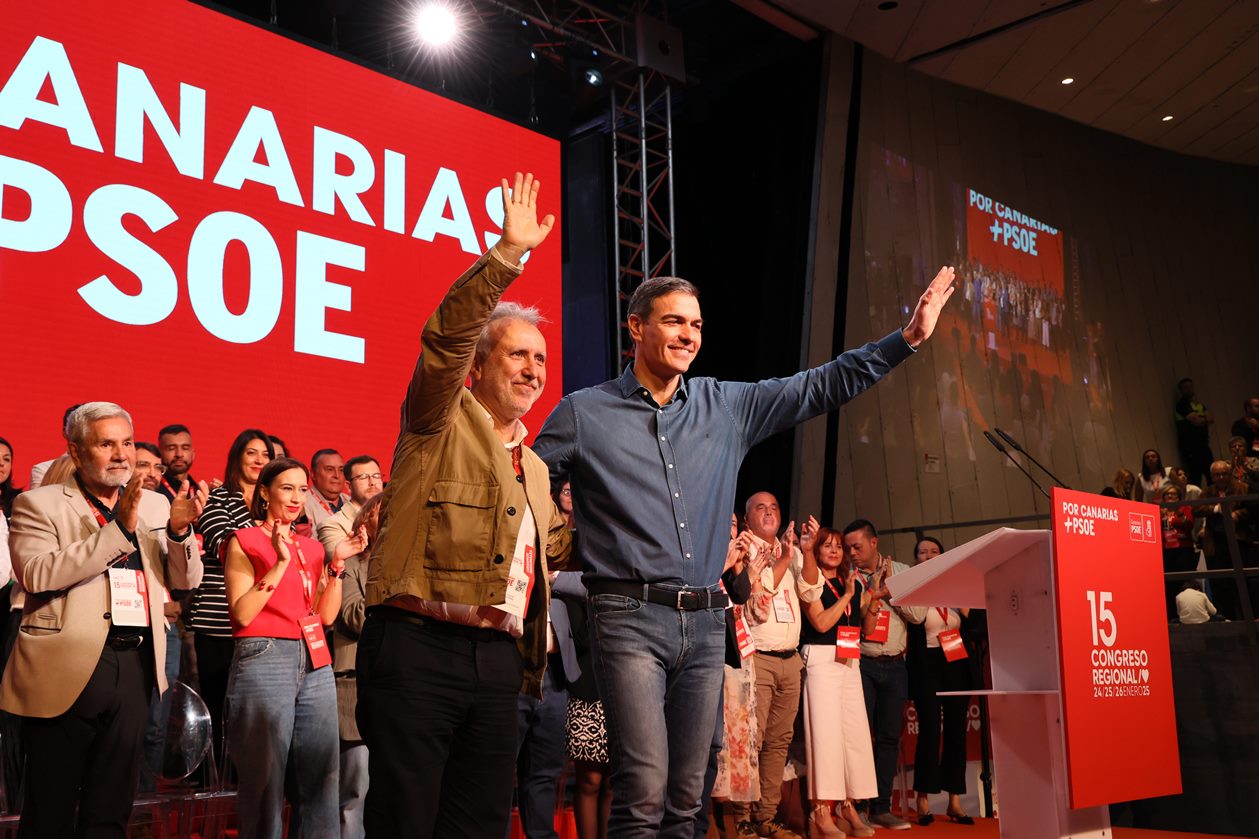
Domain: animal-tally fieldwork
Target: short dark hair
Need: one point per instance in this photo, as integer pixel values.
(258, 505)
(232, 476)
(357, 460)
(173, 428)
(65, 418)
(861, 524)
(151, 449)
(933, 540)
(278, 442)
(645, 295)
(314, 458)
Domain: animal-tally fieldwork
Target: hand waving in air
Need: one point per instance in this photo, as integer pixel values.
(923, 322)
(522, 232)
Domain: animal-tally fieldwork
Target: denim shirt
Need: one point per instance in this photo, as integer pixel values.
(653, 486)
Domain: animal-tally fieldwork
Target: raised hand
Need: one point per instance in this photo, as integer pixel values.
(127, 510)
(281, 549)
(808, 534)
(850, 582)
(353, 544)
(789, 539)
(923, 322)
(187, 506)
(522, 231)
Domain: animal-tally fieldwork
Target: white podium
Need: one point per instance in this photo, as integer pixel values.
(1010, 574)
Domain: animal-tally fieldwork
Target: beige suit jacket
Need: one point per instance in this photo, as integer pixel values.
(61, 556)
(335, 529)
(316, 512)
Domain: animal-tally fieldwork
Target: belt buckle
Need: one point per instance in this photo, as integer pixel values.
(695, 600)
(678, 604)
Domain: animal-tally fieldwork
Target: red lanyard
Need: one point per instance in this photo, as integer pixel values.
(323, 503)
(100, 517)
(944, 614)
(831, 586)
(515, 460)
(174, 492)
(308, 585)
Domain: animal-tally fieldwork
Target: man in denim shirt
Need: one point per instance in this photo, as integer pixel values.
(653, 461)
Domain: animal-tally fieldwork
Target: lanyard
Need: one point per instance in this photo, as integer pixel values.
(323, 503)
(944, 614)
(173, 490)
(831, 586)
(308, 586)
(515, 461)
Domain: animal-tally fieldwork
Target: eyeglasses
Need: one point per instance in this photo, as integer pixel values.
(374, 476)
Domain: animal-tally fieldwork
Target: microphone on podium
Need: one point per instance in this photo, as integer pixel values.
(996, 444)
(1028, 455)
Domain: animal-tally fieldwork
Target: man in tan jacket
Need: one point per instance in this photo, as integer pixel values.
(457, 589)
(94, 556)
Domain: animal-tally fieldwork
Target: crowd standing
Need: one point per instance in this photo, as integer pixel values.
(387, 658)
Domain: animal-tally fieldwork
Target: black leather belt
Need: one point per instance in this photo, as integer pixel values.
(124, 642)
(684, 600)
(778, 653)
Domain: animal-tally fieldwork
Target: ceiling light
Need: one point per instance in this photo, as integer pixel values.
(1068, 80)
(1168, 118)
(436, 25)
(593, 77)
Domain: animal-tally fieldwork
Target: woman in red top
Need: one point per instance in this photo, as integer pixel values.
(281, 697)
(1179, 553)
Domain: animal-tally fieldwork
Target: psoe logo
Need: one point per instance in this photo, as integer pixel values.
(1147, 521)
(1136, 531)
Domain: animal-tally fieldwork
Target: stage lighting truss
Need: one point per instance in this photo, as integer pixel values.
(641, 62)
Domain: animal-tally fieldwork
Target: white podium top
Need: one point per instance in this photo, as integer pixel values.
(956, 578)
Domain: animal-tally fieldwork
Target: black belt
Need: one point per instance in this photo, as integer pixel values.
(124, 642)
(886, 657)
(440, 627)
(685, 600)
(778, 653)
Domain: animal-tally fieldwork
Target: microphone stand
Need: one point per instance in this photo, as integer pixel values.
(996, 444)
(1028, 455)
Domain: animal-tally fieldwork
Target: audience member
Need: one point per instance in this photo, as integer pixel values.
(1152, 477)
(327, 482)
(8, 491)
(1247, 427)
(1245, 466)
(1178, 550)
(79, 675)
(1215, 543)
(937, 659)
(175, 444)
(282, 699)
(362, 474)
(149, 466)
(1193, 432)
(836, 727)
(38, 470)
(1179, 477)
(451, 639)
(884, 677)
(279, 447)
(353, 765)
(1122, 485)
(1193, 606)
(733, 773)
(787, 580)
(209, 619)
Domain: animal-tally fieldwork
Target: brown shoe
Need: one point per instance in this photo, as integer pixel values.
(822, 824)
(850, 822)
(774, 829)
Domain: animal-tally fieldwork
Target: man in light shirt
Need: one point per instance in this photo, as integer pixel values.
(1192, 604)
(884, 676)
(789, 579)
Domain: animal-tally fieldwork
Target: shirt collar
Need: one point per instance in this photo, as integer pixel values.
(630, 386)
(519, 432)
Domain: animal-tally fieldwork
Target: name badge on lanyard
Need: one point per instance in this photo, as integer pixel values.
(783, 613)
(128, 597)
(742, 635)
(882, 623)
(312, 626)
(847, 642)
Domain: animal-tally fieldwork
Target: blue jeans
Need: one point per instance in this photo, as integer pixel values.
(281, 712)
(660, 677)
(540, 753)
(885, 683)
(353, 788)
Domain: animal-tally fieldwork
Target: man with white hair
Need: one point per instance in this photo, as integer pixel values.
(457, 589)
(94, 556)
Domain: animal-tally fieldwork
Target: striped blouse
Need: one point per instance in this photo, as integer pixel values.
(224, 514)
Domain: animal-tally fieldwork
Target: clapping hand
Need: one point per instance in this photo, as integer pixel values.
(281, 549)
(522, 232)
(127, 510)
(808, 534)
(187, 505)
(789, 539)
(351, 545)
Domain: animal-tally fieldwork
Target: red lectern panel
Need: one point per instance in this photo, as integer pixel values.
(1118, 710)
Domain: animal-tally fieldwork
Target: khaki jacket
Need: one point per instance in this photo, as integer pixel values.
(60, 558)
(453, 507)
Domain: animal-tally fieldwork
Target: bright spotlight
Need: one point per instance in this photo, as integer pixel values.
(593, 77)
(435, 24)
